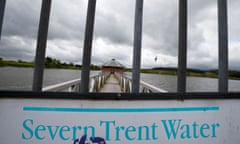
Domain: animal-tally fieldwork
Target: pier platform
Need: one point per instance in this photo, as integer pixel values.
(111, 85)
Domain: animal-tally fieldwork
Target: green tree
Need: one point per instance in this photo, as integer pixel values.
(48, 62)
(53, 63)
(1, 61)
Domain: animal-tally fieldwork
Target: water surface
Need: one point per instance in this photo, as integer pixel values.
(12, 78)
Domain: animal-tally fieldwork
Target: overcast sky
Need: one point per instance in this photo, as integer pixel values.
(113, 35)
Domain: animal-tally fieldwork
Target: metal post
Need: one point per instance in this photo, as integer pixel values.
(87, 48)
(182, 46)
(2, 9)
(137, 46)
(41, 45)
(223, 46)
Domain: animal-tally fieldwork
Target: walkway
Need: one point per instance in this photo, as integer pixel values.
(111, 85)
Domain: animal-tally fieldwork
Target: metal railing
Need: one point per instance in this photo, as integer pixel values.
(125, 82)
(96, 83)
(69, 86)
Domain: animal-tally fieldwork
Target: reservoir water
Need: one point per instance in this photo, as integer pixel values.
(12, 78)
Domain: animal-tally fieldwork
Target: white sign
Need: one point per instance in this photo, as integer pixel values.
(38, 121)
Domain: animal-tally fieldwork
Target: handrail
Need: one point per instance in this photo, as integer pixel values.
(69, 86)
(126, 83)
(148, 88)
(96, 83)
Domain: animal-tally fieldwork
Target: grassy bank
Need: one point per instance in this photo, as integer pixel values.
(30, 64)
(16, 63)
(49, 63)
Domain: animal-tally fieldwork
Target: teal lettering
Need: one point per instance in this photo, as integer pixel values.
(64, 129)
(202, 129)
(29, 135)
(214, 126)
(176, 128)
(86, 130)
(171, 128)
(186, 132)
(38, 129)
(154, 128)
(31, 130)
(51, 132)
(128, 131)
(140, 135)
(107, 128)
(75, 128)
(195, 127)
(118, 129)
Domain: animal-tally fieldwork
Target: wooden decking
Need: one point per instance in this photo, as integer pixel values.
(111, 85)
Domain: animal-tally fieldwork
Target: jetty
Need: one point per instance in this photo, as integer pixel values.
(111, 85)
(105, 83)
(111, 79)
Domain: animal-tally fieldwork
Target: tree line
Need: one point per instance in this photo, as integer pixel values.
(49, 62)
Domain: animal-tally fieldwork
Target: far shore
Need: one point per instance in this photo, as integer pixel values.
(233, 74)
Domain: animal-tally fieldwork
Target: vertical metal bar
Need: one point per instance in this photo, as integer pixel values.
(2, 9)
(41, 45)
(182, 46)
(87, 48)
(223, 46)
(137, 46)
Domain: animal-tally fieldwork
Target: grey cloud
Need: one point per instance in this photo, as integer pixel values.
(67, 20)
(195, 6)
(24, 50)
(161, 25)
(233, 11)
(114, 21)
(21, 18)
(111, 29)
(234, 65)
(114, 26)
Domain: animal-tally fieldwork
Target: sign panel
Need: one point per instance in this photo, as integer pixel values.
(28, 121)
